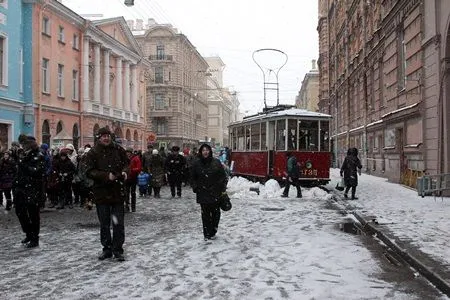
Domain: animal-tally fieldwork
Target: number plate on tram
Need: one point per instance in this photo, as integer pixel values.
(309, 172)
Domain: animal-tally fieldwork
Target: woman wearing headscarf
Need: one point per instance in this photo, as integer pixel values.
(350, 169)
(209, 182)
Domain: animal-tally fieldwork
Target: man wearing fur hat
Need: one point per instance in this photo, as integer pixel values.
(106, 164)
(28, 189)
(174, 165)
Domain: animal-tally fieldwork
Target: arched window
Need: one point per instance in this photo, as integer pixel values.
(59, 127)
(46, 132)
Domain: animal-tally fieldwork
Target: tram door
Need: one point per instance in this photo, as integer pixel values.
(271, 145)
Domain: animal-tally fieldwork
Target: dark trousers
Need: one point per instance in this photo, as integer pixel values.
(76, 188)
(29, 216)
(66, 193)
(347, 188)
(105, 213)
(175, 182)
(143, 190)
(210, 218)
(294, 183)
(130, 191)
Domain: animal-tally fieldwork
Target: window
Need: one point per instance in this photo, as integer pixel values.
(75, 87)
(76, 42)
(159, 74)
(401, 61)
(3, 59)
(46, 25)
(160, 52)
(61, 34)
(159, 102)
(60, 80)
(45, 76)
(161, 126)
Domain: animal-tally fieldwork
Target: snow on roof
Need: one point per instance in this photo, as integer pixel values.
(294, 112)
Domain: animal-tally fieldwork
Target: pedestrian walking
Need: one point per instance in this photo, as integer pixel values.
(156, 170)
(209, 182)
(174, 166)
(27, 188)
(146, 158)
(66, 170)
(107, 164)
(134, 169)
(293, 174)
(350, 169)
(8, 171)
(143, 179)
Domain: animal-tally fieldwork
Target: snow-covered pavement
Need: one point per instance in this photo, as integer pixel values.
(268, 247)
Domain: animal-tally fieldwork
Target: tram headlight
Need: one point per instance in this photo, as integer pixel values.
(308, 164)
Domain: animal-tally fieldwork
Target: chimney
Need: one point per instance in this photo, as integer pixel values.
(130, 24)
(313, 63)
(150, 22)
(139, 24)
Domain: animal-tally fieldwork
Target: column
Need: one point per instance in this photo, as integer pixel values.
(119, 100)
(97, 73)
(134, 89)
(106, 99)
(86, 68)
(126, 87)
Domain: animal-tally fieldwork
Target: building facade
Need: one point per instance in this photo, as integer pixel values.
(219, 103)
(176, 100)
(308, 96)
(380, 76)
(16, 115)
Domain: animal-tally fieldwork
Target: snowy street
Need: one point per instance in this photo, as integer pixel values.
(268, 247)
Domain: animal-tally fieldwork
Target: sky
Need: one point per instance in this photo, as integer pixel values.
(268, 247)
(234, 30)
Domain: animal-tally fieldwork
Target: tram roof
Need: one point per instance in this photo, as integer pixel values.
(278, 114)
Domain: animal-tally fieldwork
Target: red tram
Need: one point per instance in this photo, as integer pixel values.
(259, 144)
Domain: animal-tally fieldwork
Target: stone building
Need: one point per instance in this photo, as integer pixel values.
(383, 67)
(308, 96)
(219, 103)
(177, 104)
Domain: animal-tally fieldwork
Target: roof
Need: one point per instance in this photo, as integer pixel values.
(283, 113)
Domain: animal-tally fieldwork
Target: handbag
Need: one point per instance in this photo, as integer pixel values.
(224, 202)
(340, 186)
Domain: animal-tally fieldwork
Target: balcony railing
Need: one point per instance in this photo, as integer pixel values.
(160, 57)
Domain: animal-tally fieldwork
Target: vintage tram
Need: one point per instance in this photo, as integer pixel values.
(259, 144)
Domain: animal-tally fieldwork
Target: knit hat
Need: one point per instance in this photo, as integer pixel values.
(155, 151)
(70, 147)
(44, 147)
(103, 131)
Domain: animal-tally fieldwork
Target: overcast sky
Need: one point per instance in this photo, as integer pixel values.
(233, 30)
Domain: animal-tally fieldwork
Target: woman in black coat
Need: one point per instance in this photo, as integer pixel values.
(350, 169)
(209, 182)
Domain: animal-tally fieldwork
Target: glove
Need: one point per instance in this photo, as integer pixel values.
(359, 172)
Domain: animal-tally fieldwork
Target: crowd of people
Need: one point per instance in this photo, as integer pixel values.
(106, 176)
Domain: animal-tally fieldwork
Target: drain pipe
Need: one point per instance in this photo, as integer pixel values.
(434, 278)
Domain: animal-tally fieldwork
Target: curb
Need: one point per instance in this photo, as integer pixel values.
(434, 278)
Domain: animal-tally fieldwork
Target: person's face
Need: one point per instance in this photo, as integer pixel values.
(205, 152)
(105, 139)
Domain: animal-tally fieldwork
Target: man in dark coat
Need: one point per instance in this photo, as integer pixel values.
(174, 165)
(28, 189)
(350, 169)
(293, 173)
(209, 182)
(146, 159)
(106, 165)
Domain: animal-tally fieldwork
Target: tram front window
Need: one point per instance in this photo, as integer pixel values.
(292, 135)
(309, 135)
(281, 134)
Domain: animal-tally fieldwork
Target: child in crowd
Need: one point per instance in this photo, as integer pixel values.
(143, 180)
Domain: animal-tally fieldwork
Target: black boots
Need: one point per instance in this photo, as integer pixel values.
(8, 204)
(105, 254)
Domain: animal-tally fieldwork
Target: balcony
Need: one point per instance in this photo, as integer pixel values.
(108, 111)
(161, 57)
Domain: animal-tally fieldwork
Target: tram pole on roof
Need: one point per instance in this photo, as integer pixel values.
(267, 71)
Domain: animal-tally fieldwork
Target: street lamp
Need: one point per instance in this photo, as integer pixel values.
(129, 2)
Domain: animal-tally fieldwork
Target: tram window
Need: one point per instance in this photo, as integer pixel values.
(255, 131)
(309, 135)
(292, 135)
(233, 139)
(281, 134)
(324, 136)
(247, 137)
(240, 138)
(263, 137)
